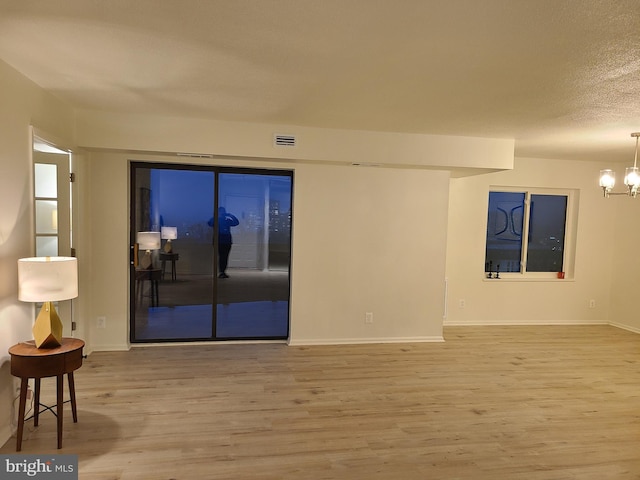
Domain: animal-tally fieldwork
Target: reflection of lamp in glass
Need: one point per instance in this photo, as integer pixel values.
(169, 233)
(47, 279)
(148, 241)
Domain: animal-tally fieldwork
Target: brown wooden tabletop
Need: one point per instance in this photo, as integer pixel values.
(28, 348)
(28, 361)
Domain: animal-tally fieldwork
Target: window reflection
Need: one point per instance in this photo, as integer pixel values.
(199, 296)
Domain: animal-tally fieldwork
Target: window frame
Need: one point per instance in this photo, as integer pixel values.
(571, 225)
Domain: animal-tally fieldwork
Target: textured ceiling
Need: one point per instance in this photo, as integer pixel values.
(561, 77)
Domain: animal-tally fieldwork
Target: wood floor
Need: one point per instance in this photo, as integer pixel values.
(553, 402)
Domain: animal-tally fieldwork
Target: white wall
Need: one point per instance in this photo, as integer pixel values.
(364, 240)
(368, 240)
(625, 264)
(22, 104)
(512, 302)
(396, 273)
(146, 133)
(106, 226)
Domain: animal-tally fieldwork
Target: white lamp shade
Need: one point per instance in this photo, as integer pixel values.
(47, 279)
(149, 240)
(607, 179)
(632, 177)
(169, 233)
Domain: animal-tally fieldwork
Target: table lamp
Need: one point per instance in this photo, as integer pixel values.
(148, 241)
(47, 280)
(168, 234)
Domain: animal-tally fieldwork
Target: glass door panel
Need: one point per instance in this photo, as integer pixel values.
(209, 277)
(254, 231)
(172, 297)
(52, 199)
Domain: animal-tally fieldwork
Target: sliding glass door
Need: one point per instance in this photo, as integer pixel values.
(255, 283)
(210, 253)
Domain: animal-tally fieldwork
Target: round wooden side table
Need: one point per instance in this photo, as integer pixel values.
(28, 361)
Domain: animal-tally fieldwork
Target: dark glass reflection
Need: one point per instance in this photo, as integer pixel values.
(237, 261)
(547, 220)
(253, 291)
(182, 269)
(545, 239)
(504, 231)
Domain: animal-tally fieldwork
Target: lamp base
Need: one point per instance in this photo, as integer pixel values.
(168, 248)
(145, 261)
(47, 331)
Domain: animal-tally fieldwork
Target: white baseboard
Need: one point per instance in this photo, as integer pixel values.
(109, 348)
(625, 327)
(481, 323)
(354, 341)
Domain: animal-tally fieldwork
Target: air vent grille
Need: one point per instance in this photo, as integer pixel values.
(284, 140)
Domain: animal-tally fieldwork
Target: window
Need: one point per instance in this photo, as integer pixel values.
(527, 233)
(46, 200)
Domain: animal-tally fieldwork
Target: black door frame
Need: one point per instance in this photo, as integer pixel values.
(133, 252)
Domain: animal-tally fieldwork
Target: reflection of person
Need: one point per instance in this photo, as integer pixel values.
(225, 222)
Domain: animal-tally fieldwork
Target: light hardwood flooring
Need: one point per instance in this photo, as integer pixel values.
(548, 402)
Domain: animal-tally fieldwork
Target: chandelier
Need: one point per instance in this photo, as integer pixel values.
(631, 177)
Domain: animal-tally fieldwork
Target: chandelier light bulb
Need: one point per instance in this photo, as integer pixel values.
(607, 179)
(631, 177)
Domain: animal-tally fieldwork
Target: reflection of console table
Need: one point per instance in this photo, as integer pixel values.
(169, 257)
(153, 275)
(27, 362)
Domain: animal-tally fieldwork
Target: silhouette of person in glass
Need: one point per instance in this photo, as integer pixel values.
(225, 222)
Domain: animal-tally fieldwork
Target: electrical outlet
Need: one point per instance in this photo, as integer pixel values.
(592, 303)
(101, 322)
(368, 317)
(462, 303)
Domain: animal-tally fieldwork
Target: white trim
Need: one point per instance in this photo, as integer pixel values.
(108, 348)
(489, 323)
(629, 328)
(569, 245)
(356, 341)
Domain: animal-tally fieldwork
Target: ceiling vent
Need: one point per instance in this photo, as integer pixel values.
(284, 140)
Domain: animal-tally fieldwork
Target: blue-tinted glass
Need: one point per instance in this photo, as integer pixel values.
(226, 274)
(173, 297)
(546, 233)
(253, 266)
(504, 231)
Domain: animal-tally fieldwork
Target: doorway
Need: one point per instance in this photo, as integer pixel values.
(52, 201)
(198, 276)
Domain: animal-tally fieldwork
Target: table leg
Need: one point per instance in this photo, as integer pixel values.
(36, 402)
(59, 407)
(139, 291)
(23, 401)
(72, 394)
(154, 292)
